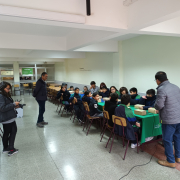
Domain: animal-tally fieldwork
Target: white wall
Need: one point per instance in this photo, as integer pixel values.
(144, 55)
(98, 67)
(60, 71)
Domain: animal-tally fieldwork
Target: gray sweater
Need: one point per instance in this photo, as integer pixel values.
(168, 103)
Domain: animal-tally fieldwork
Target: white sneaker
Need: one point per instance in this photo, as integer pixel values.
(134, 145)
(149, 139)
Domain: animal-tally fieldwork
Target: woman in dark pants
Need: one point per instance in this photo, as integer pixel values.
(7, 118)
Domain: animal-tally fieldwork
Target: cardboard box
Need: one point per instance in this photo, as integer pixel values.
(152, 110)
(140, 112)
(106, 99)
(99, 100)
(138, 105)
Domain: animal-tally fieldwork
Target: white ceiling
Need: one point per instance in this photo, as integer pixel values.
(34, 29)
(45, 37)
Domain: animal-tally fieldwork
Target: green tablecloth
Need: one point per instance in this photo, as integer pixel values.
(150, 123)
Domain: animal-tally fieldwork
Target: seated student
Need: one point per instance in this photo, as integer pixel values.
(104, 92)
(123, 90)
(87, 97)
(65, 94)
(93, 87)
(134, 96)
(110, 106)
(64, 84)
(85, 88)
(71, 88)
(148, 100)
(93, 106)
(102, 85)
(132, 124)
(78, 106)
(113, 90)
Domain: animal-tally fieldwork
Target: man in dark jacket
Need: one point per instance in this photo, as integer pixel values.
(40, 93)
(110, 106)
(93, 106)
(148, 100)
(168, 105)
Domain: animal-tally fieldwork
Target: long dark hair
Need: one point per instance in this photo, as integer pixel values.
(123, 89)
(110, 89)
(4, 85)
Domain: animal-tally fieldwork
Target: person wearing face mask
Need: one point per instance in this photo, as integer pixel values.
(134, 96)
(148, 100)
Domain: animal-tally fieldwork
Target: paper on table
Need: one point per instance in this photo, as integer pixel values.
(152, 110)
(140, 112)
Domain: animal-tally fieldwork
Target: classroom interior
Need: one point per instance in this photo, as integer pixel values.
(122, 43)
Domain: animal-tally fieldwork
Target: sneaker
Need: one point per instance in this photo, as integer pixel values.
(11, 152)
(6, 150)
(39, 125)
(134, 145)
(44, 123)
(149, 139)
(79, 121)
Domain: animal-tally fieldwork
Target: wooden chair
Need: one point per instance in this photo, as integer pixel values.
(17, 88)
(119, 121)
(89, 118)
(105, 124)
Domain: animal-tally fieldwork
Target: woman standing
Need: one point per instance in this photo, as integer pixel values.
(8, 115)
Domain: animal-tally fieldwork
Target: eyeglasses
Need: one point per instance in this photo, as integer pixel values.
(8, 89)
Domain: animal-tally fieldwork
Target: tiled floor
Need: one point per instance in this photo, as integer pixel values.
(62, 151)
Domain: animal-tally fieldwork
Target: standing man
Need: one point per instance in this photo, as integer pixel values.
(40, 93)
(168, 105)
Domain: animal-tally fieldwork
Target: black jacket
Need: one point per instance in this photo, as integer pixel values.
(110, 106)
(7, 109)
(148, 102)
(93, 106)
(78, 97)
(86, 99)
(40, 92)
(129, 131)
(106, 94)
(66, 95)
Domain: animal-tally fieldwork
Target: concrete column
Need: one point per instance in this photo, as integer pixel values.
(16, 73)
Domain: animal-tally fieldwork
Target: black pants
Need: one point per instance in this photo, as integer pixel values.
(79, 110)
(138, 131)
(9, 135)
(41, 111)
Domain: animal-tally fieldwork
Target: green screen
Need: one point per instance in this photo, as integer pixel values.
(27, 71)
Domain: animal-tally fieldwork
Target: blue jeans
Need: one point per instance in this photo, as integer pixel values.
(171, 133)
(41, 111)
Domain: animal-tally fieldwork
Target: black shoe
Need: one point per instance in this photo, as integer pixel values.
(6, 150)
(39, 125)
(11, 152)
(44, 123)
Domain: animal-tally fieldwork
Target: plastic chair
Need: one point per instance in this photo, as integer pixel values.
(89, 118)
(121, 122)
(105, 124)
